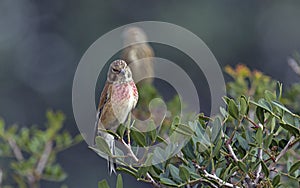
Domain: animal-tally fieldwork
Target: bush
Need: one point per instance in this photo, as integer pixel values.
(254, 142)
(30, 153)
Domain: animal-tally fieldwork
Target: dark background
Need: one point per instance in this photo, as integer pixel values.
(41, 43)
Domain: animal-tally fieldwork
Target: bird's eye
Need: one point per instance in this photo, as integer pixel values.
(115, 70)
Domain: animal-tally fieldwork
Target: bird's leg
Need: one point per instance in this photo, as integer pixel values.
(128, 125)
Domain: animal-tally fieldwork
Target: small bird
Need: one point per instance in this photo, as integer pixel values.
(117, 100)
(135, 53)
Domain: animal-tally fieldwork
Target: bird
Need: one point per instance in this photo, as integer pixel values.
(135, 51)
(118, 98)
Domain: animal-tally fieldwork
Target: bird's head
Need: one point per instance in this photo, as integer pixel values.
(119, 72)
(133, 35)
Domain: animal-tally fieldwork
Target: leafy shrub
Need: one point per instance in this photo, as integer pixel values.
(30, 153)
(254, 142)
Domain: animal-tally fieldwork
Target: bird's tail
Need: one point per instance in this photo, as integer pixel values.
(111, 162)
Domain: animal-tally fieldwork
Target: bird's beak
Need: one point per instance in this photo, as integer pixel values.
(122, 71)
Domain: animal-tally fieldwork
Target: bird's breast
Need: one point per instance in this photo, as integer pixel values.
(124, 98)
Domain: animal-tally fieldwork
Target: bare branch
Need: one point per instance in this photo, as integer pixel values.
(232, 152)
(213, 176)
(220, 181)
(16, 150)
(259, 166)
(294, 65)
(134, 157)
(285, 149)
(44, 158)
(19, 156)
(1, 177)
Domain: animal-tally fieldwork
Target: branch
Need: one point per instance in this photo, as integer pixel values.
(16, 150)
(232, 152)
(285, 149)
(130, 153)
(294, 65)
(44, 158)
(1, 177)
(220, 181)
(19, 156)
(213, 176)
(259, 166)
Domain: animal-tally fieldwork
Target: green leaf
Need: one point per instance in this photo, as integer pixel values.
(292, 129)
(260, 114)
(270, 96)
(244, 105)
(226, 174)
(294, 167)
(167, 181)
(218, 147)
(281, 106)
(226, 99)
(216, 130)
(138, 137)
(184, 173)
(276, 180)
(265, 169)
(184, 130)
(174, 171)
(243, 142)
(278, 90)
(103, 184)
(119, 181)
(151, 128)
(259, 136)
(102, 145)
(223, 112)
(242, 166)
(265, 104)
(121, 130)
(268, 141)
(128, 171)
(233, 109)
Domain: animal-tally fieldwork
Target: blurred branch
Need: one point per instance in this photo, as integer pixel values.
(19, 156)
(16, 150)
(294, 65)
(44, 158)
(1, 176)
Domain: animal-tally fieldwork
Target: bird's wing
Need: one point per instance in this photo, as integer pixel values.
(105, 96)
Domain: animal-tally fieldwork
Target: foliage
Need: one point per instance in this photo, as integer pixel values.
(30, 153)
(254, 142)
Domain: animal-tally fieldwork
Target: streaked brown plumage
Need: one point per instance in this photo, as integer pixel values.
(118, 98)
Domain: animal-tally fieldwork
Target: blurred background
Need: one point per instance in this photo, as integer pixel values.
(41, 43)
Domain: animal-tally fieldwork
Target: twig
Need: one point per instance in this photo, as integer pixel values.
(232, 152)
(252, 122)
(285, 149)
(259, 166)
(16, 150)
(220, 181)
(294, 65)
(129, 150)
(213, 176)
(1, 177)
(128, 147)
(44, 158)
(19, 156)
